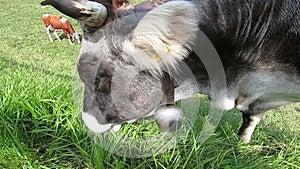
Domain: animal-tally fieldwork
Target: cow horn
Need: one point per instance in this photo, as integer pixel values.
(92, 13)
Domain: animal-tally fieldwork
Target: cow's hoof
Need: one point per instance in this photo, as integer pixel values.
(245, 139)
(168, 118)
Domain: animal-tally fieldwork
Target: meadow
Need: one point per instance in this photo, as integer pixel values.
(40, 125)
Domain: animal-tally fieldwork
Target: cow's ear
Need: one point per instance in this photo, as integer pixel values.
(164, 35)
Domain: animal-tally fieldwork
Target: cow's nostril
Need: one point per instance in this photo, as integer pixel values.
(103, 85)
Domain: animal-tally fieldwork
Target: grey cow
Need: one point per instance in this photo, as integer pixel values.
(130, 56)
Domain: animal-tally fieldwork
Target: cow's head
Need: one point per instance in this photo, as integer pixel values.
(76, 37)
(127, 64)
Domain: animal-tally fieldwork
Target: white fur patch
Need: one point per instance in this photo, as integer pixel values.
(116, 128)
(92, 123)
(247, 133)
(225, 104)
(45, 15)
(241, 107)
(162, 37)
(63, 20)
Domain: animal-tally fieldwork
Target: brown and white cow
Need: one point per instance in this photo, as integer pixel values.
(257, 43)
(56, 23)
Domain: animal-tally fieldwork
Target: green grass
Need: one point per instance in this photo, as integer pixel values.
(40, 128)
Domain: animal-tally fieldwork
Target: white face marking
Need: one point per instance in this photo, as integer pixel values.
(92, 123)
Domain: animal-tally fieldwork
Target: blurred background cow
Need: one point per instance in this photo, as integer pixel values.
(54, 23)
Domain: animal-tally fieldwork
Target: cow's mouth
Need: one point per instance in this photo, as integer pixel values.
(168, 118)
(92, 123)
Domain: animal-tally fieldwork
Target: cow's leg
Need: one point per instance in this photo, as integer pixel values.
(67, 36)
(69, 39)
(254, 115)
(48, 33)
(248, 126)
(56, 35)
(72, 36)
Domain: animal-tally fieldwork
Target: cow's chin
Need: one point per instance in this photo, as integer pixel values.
(92, 124)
